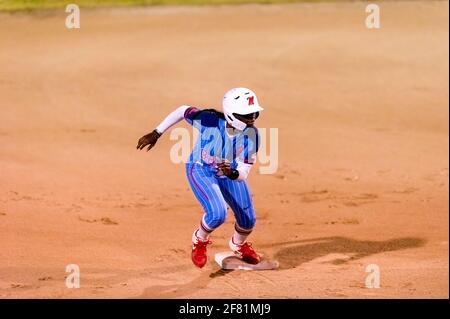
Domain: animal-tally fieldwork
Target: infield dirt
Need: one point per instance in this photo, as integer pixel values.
(363, 149)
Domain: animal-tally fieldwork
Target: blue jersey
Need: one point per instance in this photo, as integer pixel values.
(218, 143)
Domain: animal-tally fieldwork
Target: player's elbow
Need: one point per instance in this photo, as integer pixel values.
(182, 109)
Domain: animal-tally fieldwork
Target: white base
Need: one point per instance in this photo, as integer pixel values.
(229, 261)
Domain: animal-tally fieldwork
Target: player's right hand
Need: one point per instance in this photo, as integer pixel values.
(149, 139)
(224, 168)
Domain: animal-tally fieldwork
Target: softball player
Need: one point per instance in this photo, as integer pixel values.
(218, 167)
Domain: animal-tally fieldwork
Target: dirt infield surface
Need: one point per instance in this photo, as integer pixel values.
(363, 149)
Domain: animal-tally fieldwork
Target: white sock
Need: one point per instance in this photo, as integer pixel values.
(239, 239)
(203, 235)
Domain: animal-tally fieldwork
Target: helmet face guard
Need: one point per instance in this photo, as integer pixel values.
(241, 108)
(234, 122)
(248, 119)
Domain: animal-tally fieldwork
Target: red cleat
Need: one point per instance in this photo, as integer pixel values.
(198, 254)
(246, 252)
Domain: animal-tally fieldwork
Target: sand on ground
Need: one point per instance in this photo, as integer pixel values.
(362, 178)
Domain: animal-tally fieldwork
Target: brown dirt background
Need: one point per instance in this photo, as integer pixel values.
(363, 149)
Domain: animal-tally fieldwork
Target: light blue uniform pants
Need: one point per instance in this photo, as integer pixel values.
(215, 193)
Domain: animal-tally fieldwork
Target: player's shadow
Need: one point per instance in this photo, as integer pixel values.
(295, 253)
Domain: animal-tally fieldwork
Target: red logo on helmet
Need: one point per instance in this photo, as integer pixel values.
(250, 100)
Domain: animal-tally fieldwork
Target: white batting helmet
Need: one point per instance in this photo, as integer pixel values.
(240, 101)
